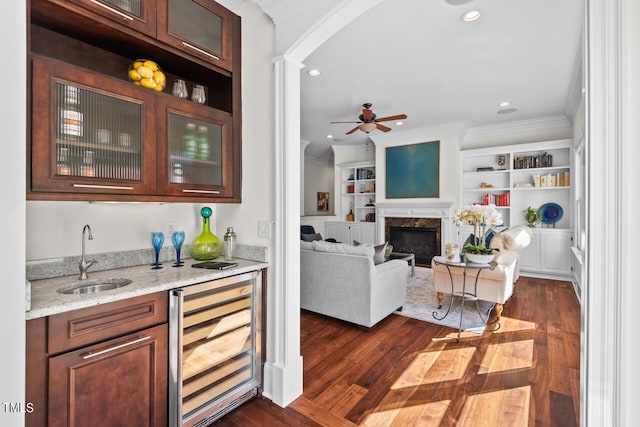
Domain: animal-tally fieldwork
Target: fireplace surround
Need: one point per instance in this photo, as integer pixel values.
(428, 225)
(419, 236)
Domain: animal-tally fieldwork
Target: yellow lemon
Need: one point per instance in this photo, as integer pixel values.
(137, 65)
(150, 65)
(159, 77)
(134, 75)
(136, 83)
(148, 82)
(144, 72)
(158, 87)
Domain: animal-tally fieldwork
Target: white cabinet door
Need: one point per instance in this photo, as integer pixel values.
(555, 252)
(338, 230)
(363, 233)
(530, 256)
(347, 232)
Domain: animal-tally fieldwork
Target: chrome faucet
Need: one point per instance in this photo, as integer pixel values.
(84, 264)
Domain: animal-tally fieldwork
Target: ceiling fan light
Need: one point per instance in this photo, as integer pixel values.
(367, 127)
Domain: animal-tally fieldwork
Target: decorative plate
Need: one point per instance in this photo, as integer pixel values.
(551, 213)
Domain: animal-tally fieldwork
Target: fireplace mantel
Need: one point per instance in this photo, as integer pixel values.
(440, 210)
(416, 210)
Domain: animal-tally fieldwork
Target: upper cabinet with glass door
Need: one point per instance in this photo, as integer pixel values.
(202, 28)
(87, 139)
(199, 29)
(137, 14)
(195, 161)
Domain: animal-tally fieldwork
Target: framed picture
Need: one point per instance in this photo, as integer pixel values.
(413, 171)
(323, 201)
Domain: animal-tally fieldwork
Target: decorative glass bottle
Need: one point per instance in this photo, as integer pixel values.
(206, 246)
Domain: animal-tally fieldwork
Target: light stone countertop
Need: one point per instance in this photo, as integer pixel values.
(45, 300)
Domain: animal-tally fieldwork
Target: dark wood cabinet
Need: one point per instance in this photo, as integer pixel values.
(130, 143)
(118, 382)
(102, 365)
(201, 28)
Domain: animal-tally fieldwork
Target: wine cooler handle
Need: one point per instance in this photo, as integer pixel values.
(176, 301)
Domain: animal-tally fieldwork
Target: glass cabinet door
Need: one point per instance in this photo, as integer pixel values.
(200, 28)
(197, 160)
(96, 138)
(137, 14)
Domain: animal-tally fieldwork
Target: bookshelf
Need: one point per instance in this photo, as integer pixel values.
(515, 177)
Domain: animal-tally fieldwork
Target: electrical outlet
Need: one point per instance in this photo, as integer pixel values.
(264, 229)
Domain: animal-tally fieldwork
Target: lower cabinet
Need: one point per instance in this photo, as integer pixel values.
(347, 232)
(104, 365)
(548, 254)
(122, 381)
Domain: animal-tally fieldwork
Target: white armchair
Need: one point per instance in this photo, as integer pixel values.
(493, 285)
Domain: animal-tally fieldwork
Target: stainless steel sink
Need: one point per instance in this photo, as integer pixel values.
(94, 286)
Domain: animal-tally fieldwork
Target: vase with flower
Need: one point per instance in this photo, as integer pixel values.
(483, 218)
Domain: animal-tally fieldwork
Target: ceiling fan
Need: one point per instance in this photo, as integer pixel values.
(369, 122)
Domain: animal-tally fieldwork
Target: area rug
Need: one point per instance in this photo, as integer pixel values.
(422, 302)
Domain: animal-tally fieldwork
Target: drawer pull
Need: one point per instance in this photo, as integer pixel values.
(201, 191)
(117, 347)
(109, 187)
(190, 46)
(110, 9)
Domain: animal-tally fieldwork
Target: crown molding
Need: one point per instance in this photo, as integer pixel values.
(557, 125)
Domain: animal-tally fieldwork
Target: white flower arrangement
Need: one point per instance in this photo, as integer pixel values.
(483, 218)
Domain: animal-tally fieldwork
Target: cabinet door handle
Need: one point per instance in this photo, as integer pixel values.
(117, 347)
(110, 9)
(197, 49)
(108, 187)
(201, 191)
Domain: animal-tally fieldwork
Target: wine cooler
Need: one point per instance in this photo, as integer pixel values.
(214, 351)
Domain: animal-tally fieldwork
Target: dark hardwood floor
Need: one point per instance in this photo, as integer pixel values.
(406, 372)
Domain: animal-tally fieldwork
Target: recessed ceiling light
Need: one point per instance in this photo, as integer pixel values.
(507, 111)
(329, 136)
(504, 104)
(471, 15)
(399, 123)
(314, 72)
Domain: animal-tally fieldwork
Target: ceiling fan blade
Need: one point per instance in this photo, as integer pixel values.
(382, 127)
(353, 130)
(367, 114)
(389, 118)
(345, 122)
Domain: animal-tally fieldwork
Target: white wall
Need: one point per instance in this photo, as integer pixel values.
(450, 137)
(318, 176)
(12, 223)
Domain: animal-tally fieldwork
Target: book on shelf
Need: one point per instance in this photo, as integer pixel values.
(497, 199)
(544, 160)
(560, 179)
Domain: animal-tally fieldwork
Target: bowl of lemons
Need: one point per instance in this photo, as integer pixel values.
(147, 73)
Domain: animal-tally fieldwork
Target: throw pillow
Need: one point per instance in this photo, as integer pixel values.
(387, 252)
(379, 251)
(311, 237)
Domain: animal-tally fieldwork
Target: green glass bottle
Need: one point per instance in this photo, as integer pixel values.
(206, 246)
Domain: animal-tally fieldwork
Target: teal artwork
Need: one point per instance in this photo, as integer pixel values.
(413, 171)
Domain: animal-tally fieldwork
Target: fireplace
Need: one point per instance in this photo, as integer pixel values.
(419, 236)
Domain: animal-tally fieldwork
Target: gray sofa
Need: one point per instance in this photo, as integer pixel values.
(342, 281)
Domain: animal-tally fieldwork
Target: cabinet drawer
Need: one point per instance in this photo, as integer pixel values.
(90, 325)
